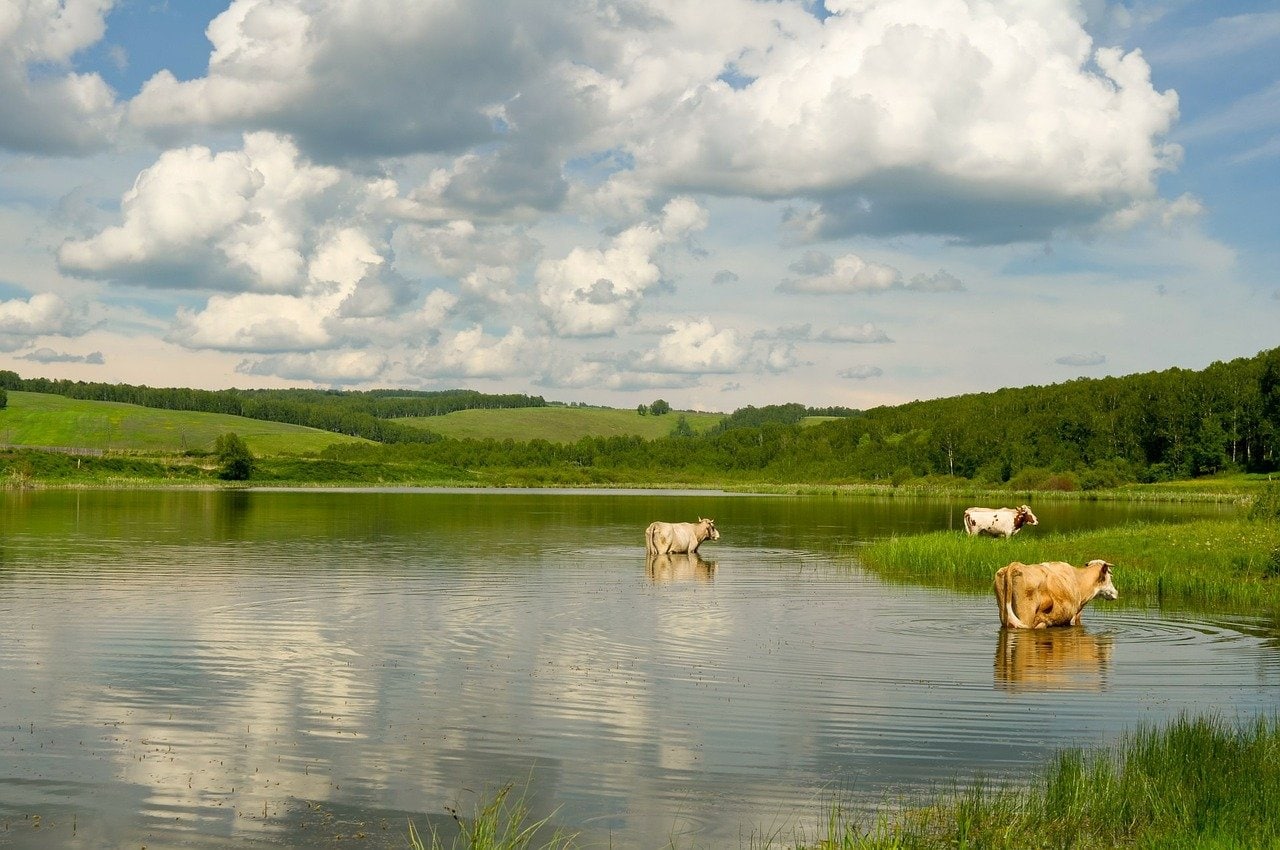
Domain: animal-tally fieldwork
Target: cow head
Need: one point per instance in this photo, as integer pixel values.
(1025, 517)
(710, 525)
(1106, 588)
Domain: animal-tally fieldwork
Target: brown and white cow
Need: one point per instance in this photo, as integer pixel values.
(665, 538)
(1034, 596)
(998, 522)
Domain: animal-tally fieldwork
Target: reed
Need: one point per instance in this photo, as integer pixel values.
(1226, 565)
(499, 823)
(1197, 782)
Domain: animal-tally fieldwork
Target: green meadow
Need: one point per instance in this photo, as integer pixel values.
(559, 424)
(45, 420)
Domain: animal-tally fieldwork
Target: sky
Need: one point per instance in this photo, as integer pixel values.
(720, 204)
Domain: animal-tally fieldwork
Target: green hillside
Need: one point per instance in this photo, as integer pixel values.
(39, 419)
(559, 424)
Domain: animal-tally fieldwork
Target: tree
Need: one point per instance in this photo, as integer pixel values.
(4, 399)
(642, 409)
(659, 408)
(682, 428)
(235, 461)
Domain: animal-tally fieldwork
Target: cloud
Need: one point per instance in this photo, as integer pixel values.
(724, 276)
(846, 274)
(1093, 358)
(45, 107)
(48, 355)
(325, 367)
(866, 333)
(976, 121)
(861, 372)
(595, 292)
(471, 353)
(43, 314)
(241, 219)
(695, 347)
(940, 281)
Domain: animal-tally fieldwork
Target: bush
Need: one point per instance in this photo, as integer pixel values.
(1266, 505)
(235, 461)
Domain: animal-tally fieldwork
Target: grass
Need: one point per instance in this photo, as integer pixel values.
(1212, 565)
(559, 424)
(41, 419)
(500, 823)
(1194, 783)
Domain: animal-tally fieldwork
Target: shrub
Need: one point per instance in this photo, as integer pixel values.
(235, 461)
(1266, 505)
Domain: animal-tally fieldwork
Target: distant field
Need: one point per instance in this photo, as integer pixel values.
(559, 424)
(39, 419)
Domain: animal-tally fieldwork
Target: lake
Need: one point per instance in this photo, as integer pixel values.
(317, 668)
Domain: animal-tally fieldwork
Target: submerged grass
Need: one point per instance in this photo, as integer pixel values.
(1227, 565)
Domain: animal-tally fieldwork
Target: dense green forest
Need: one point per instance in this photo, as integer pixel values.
(1082, 434)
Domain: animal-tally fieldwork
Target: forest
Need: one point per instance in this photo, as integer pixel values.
(1081, 434)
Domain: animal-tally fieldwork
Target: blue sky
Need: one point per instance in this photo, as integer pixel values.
(720, 204)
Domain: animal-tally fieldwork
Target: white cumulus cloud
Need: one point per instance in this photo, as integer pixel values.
(45, 106)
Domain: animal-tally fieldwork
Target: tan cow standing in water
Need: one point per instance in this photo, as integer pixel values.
(665, 538)
(1034, 596)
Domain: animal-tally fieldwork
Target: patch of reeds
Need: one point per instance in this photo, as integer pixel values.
(1226, 565)
(499, 823)
(1194, 783)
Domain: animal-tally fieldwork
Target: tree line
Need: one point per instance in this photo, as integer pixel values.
(1084, 433)
(1081, 434)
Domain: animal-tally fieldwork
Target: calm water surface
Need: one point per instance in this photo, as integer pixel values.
(313, 669)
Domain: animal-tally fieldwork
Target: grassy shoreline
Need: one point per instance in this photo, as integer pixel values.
(1218, 565)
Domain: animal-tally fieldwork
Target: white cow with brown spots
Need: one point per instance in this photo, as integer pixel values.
(998, 522)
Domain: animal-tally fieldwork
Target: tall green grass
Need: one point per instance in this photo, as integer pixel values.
(499, 823)
(1195, 783)
(1211, 565)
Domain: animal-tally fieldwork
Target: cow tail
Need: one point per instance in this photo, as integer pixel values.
(968, 524)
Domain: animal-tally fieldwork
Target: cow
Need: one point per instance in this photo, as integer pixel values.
(998, 522)
(665, 538)
(1035, 596)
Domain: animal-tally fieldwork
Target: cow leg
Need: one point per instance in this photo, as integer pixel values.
(1014, 591)
(1000, 585)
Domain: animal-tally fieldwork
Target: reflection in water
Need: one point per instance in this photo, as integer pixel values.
(1052, 659)
(679, 567)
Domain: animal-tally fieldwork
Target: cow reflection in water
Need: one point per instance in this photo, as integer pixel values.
(679, 567)
(1069, 659)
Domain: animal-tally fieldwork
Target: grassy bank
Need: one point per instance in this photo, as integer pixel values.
(1195, 783)
(1210, 565)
